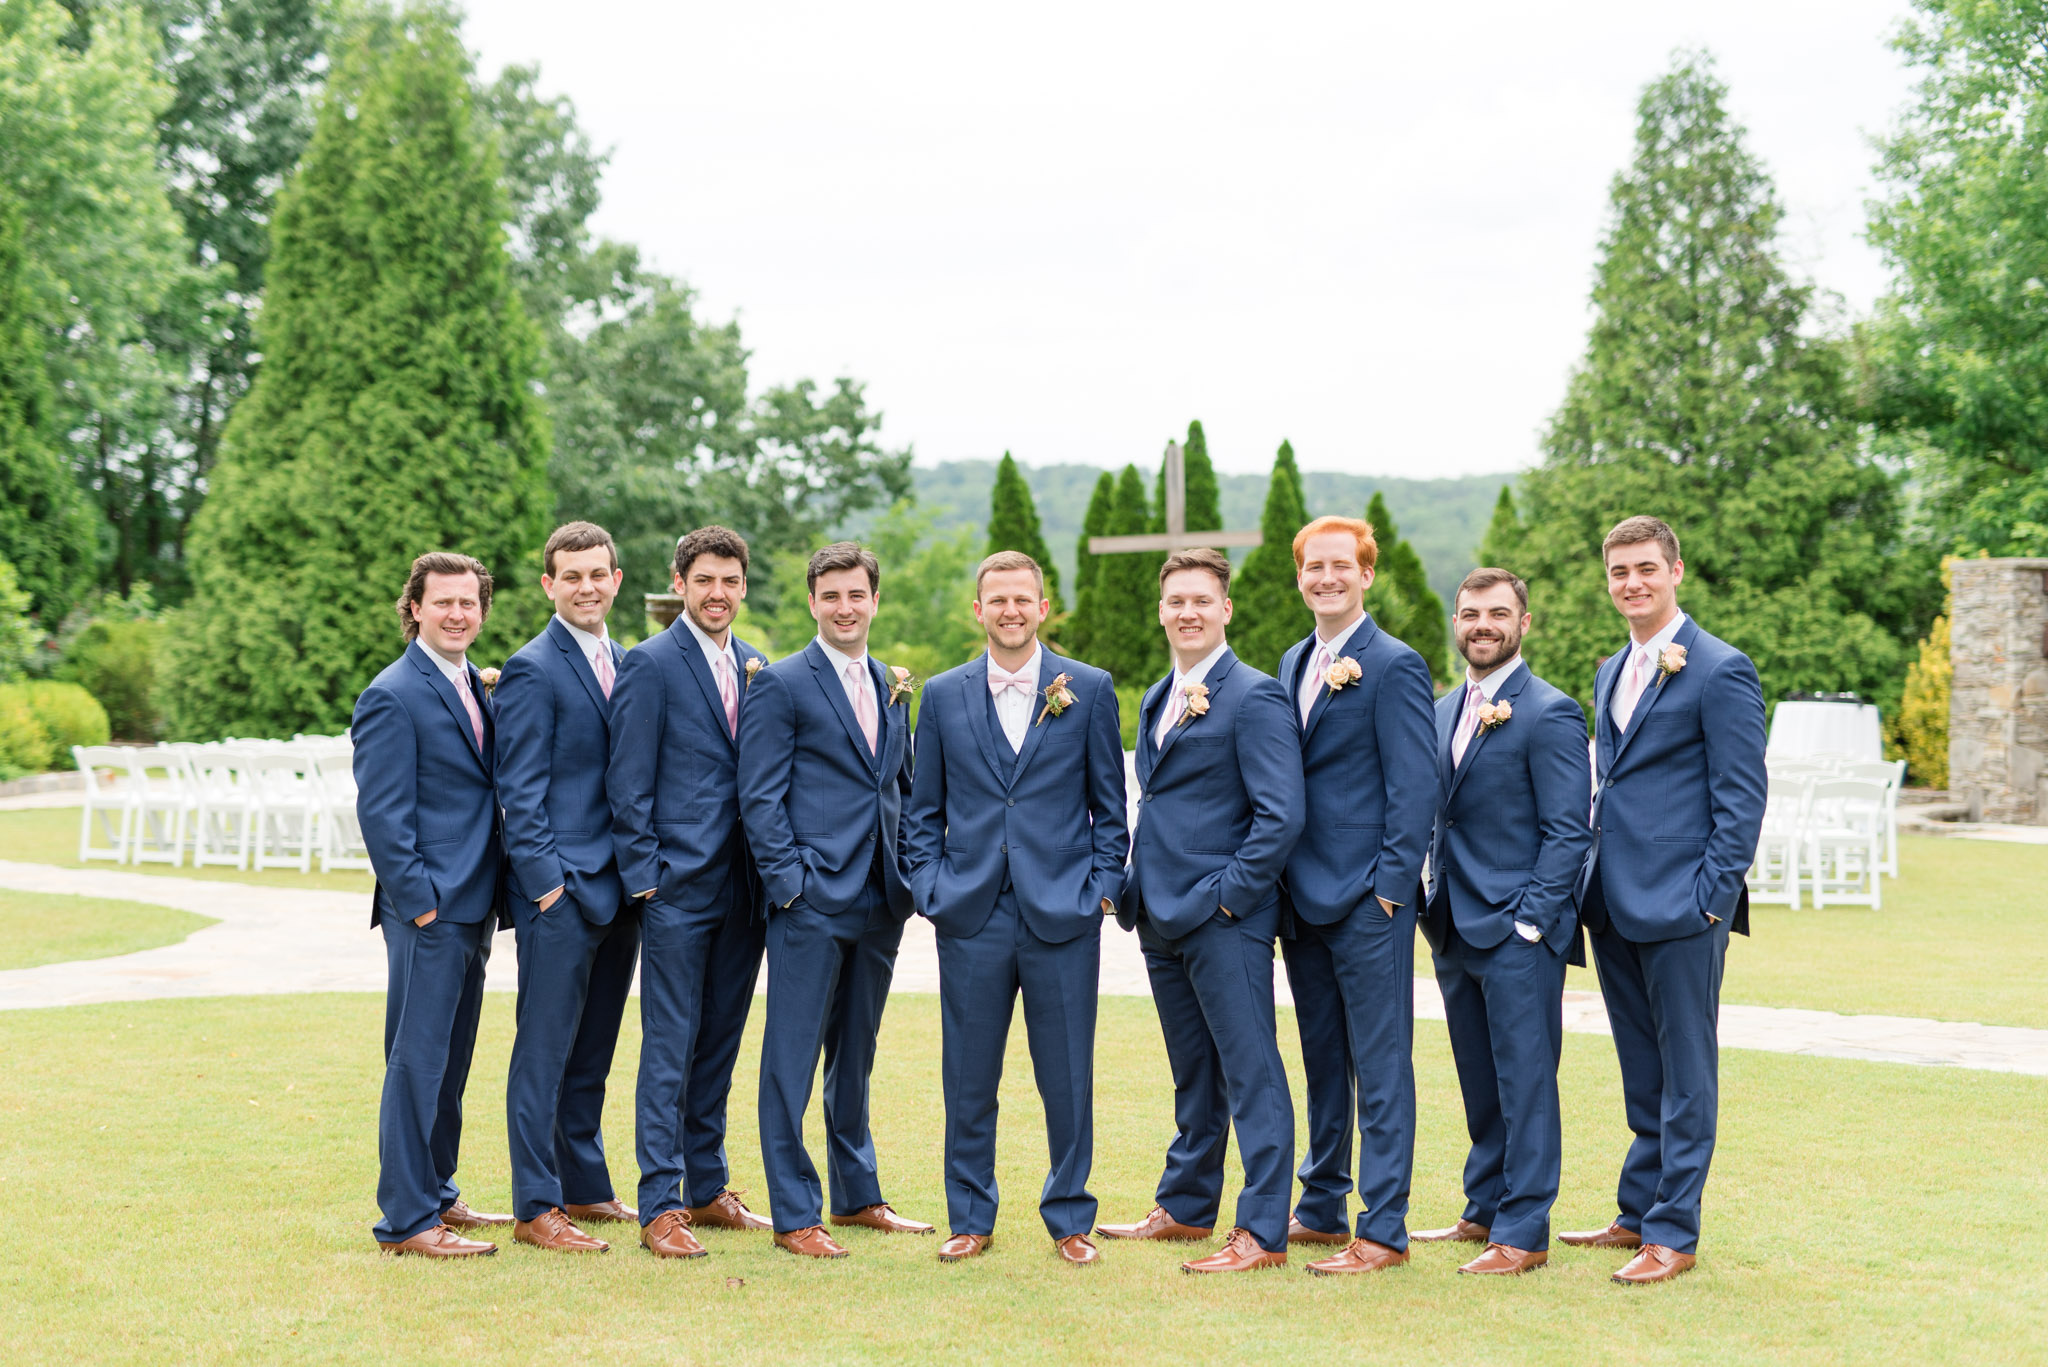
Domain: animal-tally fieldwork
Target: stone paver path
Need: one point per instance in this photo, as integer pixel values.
(286, 940)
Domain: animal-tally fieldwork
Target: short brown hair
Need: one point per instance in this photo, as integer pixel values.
(1486, 579)
(844, 555)
(577, 536)
(1199, 558)
(719, 541)
(439, 562)
(1368, 549)
(1008, 560)
(1632, 530)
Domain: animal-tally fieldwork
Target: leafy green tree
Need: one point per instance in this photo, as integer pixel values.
(1705, 399)
(1205, 494)
(1077, 634)
(394, 412)
(1503, 534)
(1401, 600)
(18, 634)
(1122, 629)
(1013, 524)
(1960, 352)
(1267, 614)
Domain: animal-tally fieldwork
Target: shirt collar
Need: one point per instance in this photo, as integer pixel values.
(591, 641)
(1655, 645)
(456, 672)
(1202, 667)
(712, 650)
(840, 659)
(1489, 687)
(1030, 669)
(1335, 645)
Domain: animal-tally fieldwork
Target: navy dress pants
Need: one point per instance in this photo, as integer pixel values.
(431, 1006)
(980, 977)
(1213, 989)
(697, 977)
(573, 981)
(828, 981)
(1354, 1003)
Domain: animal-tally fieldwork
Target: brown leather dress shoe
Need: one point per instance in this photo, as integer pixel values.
(1362, 1256)
(1299, 1233)
(1501, 1261)
(1614, 1236)
(460, 1216)
(963, 1246)
(880, 1217)
(727, 1211)
(603, 1212)
(1655, 1263)
(1240, 1253)
(555, 1232)
(1463, 1232)
(1157, 1225)
(668, 1235)
(1077, 1249)
(810, 1242)
(439, 1242)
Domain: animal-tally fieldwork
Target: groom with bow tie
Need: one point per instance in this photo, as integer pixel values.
(1014, 839)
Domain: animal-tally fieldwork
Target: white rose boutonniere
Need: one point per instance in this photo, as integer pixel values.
(753, 668)
(1670, 660)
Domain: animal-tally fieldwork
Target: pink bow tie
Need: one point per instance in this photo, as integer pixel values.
(1000, 679)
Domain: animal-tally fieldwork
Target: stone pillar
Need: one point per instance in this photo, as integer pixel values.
(1998, 699)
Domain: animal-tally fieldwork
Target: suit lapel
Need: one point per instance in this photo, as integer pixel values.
(1148, 721)
(1213, 681)
(1354, 649)
(1508, 691)
(1652, 691)
(700, 669)
(1447, 730)
(834, 689)
(973, 683)
(888, 720)
(579, 665)
(746, 653)
(452, 700)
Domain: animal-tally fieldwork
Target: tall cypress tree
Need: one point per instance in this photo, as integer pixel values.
(1503, 539)
(1077, 636)
(1400, 598)
(394, 413)
(1123, 633)
(1013, 524)
(1269, 615)
(1205, 494)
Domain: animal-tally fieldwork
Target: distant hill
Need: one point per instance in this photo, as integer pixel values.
(1443, 518)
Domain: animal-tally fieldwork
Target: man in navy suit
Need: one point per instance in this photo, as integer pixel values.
(1015, 841)
(675, 822)
(1678, 804)
(578, 937)
(1360, 702)
(429, 816)
(824, 769)
(1220, 765)
(1510, 838)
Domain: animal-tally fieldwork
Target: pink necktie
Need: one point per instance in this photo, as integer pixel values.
(728, 693)
(1312, 686)
(604, 668)
(1000, 679)
(476, 718)
(1176, 703)
(1468, 724)
(1632, 688)
(863, 691)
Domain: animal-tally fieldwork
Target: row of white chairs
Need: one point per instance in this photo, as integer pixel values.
(237, 803)
(1831, 832)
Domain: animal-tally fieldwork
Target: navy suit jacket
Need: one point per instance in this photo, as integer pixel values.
(554, 732)
(424, 795)
(1047, 820)
(1369, 766)
(1222, 806)
(816, 802)
(673, 782)
(1511, 832)
(1679, 801)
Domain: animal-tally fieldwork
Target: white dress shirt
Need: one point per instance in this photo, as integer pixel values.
(712, 650)
(1312, 681)
(840, 660)
(456, 671)
(1013, 709)
(1489, 687)
(591, 643)
(1654, 647)
(1180, 681)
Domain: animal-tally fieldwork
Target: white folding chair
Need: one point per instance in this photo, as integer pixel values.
(1845, 842)
(341, 839)
(1774, 877)
(110, 802)
(1891, 773)
(285, 813)
(224, 812)
(163, 802)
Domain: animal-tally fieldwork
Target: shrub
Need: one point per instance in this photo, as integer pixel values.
(25, 746)
(71, 715)
(1923, 710)
(115, 661)
(17, 633)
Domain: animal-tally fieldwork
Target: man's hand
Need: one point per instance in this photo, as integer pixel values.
(1387, 906)
(649, 893)
(426, 918)
(1227, 912)
(1108, 909)
(549, 899)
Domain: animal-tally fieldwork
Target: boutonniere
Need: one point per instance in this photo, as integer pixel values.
(1493, 715)
(1670, 660)
(1197, 695)
(1058, 698)
(753, 668)
(1341, 673)
(490, 678)
(901, 685)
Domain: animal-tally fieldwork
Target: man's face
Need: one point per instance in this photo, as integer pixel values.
(1489, 625)
(1643, 585)
(583, 586)
(1009, 607)
(844, 605)
(712, 587)
(1194, 612)
(1331, 580)
(449, 613)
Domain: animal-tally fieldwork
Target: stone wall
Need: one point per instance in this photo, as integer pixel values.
(1998, 700)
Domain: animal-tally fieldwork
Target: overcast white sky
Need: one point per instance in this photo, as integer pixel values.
(1065, 229)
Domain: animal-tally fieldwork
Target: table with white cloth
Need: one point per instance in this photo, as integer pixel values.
(1825, 728)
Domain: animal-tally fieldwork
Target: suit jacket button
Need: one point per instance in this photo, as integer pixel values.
(1006, 849)
(1011, 803)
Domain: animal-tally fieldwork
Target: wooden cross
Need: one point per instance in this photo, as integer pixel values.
(1177, 537)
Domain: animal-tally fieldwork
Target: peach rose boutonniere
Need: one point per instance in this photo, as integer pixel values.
(1670, 660)
(1197, 704)
(1342, 673)
(901, 684)
(1494, 715)
(1058, 698)
(490, 678)
(753, 668)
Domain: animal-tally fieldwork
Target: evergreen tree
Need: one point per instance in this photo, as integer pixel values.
(46, 530)
(1503, 539)
(1401, 600)
(1704, 399)
(1205, 494)
(1013, 524)
(395, 411)
(1076, 637)
(1122, 632)
(1268, 614)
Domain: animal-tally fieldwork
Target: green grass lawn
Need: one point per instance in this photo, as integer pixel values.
(49, 835)
(195, 1184)
(48, 928)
